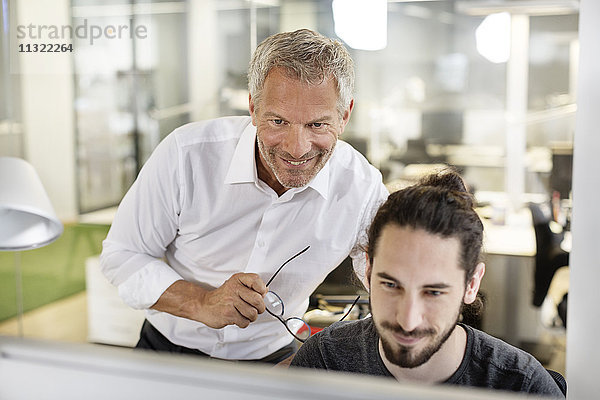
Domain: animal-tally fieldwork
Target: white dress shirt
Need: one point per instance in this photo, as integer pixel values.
(198, 212)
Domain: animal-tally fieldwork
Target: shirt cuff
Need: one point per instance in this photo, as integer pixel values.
(142, 289)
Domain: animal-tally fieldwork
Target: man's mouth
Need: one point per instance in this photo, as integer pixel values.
(406, 340)
(297, 163)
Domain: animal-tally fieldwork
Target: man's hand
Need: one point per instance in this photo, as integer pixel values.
(238, 301)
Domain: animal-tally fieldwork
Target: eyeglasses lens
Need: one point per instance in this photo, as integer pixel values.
(273, 303)
(298, 326)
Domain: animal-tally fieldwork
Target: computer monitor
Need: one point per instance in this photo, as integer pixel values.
(562, 171)
(442, 127)
(34, 369)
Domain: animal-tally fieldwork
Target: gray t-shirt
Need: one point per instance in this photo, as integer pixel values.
(352, 346)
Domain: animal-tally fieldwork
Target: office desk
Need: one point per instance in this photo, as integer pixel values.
(101, 217)
(82, 232)
(110, 320)
(509, 254)
(515, 237)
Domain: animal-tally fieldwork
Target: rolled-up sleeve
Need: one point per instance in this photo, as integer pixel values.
(146, 222)
(378, 195)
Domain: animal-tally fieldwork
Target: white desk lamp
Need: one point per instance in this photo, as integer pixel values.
(27, 219)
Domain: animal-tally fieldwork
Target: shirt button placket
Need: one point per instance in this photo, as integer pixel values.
(261, 243)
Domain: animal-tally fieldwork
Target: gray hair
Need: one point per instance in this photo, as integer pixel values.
(307, 56)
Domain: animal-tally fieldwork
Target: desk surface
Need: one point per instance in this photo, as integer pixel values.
(515, 237)
(512, 233)
(100, 217)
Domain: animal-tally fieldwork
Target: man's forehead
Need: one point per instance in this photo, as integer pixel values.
(294, 74)
(279, 75)
(404, 251)
(294, 101)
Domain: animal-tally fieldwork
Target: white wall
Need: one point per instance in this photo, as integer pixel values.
(298, 15)
(47, 107)
(583, 350)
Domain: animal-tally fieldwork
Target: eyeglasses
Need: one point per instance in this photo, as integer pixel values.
(296, 326)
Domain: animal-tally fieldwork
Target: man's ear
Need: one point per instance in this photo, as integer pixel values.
(252, 109)
(368, 271)
(473, 284)
(346, 116)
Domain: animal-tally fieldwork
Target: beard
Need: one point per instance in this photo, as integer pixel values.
(293, 178)
(407, 356)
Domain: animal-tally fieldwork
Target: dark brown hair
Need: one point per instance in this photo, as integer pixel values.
(439, 204)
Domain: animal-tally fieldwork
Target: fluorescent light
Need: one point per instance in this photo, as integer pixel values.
(361, 24)
(493, 37)
(525, 7)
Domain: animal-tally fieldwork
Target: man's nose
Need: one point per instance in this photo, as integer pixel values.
(409, 313)
(297, 141)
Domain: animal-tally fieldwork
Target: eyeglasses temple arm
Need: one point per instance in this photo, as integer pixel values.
(351, 307)
(283, 265)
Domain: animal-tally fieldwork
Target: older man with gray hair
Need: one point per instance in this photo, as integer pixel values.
(222, 204)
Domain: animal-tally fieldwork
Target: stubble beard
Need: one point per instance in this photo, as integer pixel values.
(293, 178)
(405, 356)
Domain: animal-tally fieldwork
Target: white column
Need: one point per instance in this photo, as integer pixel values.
(516, 109)
(47, 107)
(573, 67)
(202, 59)
(583, 326)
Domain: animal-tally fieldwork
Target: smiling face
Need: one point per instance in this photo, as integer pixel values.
(417, 289)
(297, 126)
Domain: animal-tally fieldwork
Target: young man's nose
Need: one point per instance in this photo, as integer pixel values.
(409, 313)
(296, 141)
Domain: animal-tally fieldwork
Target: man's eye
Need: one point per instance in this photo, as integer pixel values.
(434, 293)
(317, 125)
(277, 121)
(388, 284)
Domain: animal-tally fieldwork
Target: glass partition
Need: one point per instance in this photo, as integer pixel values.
(131, 91)
(11, 132)
(430, 96)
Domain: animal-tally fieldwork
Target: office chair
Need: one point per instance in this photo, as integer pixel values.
(562, 309)
(549, 255)
(560, 380)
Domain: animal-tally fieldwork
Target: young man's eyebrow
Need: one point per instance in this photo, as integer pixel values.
(388, 277)
(437, 285)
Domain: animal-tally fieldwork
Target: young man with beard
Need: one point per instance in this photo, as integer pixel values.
(221, 204)
(423, 265)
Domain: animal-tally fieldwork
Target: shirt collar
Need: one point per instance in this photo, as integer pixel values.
(320, 183)
(242, 168)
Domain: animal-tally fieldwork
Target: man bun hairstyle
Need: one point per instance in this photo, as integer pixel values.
(446, 179)
(307, 56)
(439, 204)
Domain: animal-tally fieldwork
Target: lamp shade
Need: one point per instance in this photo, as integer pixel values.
(27, 219)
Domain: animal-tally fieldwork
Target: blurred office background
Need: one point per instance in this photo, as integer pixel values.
(486, 86)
